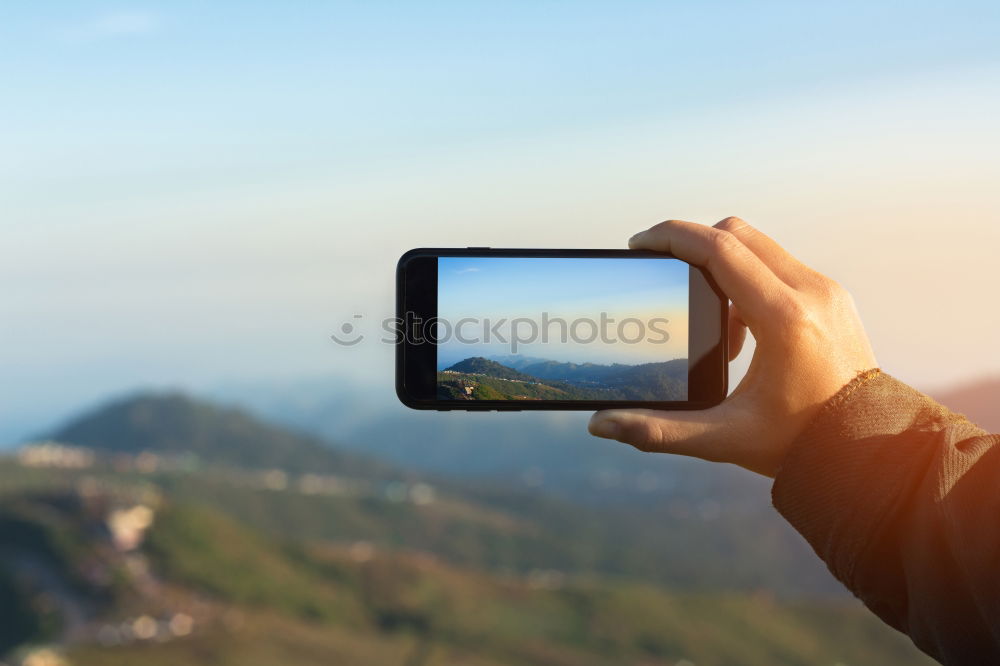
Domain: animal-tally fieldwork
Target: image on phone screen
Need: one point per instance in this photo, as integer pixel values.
(562, 328)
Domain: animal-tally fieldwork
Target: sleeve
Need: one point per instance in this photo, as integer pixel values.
(901, 498)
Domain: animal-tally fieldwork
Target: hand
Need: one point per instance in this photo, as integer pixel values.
(810, 343)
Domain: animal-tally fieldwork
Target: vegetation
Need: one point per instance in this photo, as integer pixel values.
(478, 378)
(375, 572)
(452, 386)
(318, 603)
(477, 365)
(20, 621)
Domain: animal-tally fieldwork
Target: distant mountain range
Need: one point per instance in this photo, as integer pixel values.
(479, 378)
(313, 555)
(550, 451)
(979, 401)
(174, 423)
(603, 510)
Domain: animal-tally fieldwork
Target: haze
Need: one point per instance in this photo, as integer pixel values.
(197, 194)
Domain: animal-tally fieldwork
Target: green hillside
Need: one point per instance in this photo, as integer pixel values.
(116, 562)
(257, 600)
(452, 386)
(489, 529)
(477, 378)
(477, 365)
(678, 542)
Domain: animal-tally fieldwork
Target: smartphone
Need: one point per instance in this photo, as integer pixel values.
(514, 329)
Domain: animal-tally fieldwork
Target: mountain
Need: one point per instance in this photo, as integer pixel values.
(978, 400)
(680, 539)
(477, 365)
(594, 372)
(549, 451)
(452, 385)
(176, 424)
(651, 381)
(579, 372)
(238, 563)
(516, 361)
(478, 378)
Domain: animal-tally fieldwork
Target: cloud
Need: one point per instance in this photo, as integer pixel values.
(115, 24)
(471, 269)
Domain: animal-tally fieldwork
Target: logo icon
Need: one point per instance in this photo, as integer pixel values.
(347, 329)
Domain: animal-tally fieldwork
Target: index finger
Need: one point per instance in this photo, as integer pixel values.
(741, 274)
(787, 268)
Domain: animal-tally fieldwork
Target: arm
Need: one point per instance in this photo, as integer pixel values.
(899, 496)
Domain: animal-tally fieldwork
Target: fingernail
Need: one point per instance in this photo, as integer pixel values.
(607, 428)
(635, 237)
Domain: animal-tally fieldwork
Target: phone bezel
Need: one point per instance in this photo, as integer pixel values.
(416, 292)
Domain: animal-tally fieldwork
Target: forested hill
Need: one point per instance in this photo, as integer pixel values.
(477, 365)
(176, 424)
(109, 562)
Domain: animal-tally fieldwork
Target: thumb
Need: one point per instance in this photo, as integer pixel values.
(707, 433)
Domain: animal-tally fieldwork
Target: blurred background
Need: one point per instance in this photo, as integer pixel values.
(195, 196)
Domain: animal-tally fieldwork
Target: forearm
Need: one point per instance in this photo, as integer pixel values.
(899, 496)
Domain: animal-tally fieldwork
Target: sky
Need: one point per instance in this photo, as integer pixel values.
(583, 307)
(196, 193)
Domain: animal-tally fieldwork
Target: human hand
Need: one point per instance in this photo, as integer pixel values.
(810, 343)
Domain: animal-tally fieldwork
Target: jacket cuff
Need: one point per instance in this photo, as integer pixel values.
(847, 471)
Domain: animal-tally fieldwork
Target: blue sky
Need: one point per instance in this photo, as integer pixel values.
(195, 193)
(470, 286)
(240, 91)
(497, 288)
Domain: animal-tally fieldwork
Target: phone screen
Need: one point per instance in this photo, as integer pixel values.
(562, 328)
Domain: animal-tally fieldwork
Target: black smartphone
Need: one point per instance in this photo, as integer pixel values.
(513, 329)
